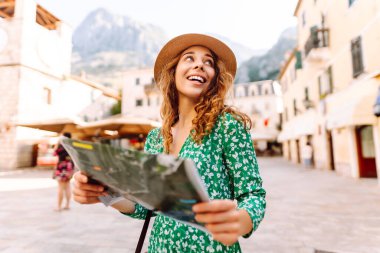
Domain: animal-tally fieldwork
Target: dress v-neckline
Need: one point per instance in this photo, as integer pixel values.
(182, 147)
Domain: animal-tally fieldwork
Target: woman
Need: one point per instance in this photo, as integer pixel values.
(63, 174)
(194, 73)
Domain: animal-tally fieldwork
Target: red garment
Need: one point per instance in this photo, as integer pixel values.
(65, 167)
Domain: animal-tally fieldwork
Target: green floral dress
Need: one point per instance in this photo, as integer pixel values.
(228, 167)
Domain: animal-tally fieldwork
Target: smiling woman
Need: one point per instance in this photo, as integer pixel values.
(194, 73)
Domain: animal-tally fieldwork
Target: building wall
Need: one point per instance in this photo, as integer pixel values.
(34, 63)
(345, 23)
(134, 89)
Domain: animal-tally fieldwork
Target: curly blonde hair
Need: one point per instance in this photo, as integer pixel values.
(210, 105)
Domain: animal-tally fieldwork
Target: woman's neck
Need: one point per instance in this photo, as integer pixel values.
(186, 110)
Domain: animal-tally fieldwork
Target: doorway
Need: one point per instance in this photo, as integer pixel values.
(298, 151)
(330, 150)
(366, 151)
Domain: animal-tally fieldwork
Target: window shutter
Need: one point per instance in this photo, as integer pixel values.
(298, 60)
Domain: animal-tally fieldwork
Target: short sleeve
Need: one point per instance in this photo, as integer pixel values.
(240, 159)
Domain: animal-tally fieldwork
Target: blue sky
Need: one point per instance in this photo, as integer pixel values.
(253, 23)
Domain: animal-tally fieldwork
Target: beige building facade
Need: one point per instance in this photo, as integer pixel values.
(262, 102)
(330, 83)
(35, 80)
(140, 94)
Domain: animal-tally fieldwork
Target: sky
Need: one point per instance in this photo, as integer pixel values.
(256, 24)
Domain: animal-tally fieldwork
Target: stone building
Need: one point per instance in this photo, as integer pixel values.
(35, 80)
(330, 83)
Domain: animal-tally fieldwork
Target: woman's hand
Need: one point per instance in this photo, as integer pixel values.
(84, 192)
(223, 220)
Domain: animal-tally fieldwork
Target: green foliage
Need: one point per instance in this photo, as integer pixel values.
(116, 108)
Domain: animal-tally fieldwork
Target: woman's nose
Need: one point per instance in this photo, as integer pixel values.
(198, 64)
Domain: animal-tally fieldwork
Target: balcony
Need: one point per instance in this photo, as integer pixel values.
(316, 46)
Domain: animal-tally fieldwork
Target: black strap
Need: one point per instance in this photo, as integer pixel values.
(143, 231)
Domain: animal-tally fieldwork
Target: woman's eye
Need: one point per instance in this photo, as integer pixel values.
(209, 62)
(188, 58)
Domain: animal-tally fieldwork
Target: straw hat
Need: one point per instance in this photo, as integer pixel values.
(178, 44)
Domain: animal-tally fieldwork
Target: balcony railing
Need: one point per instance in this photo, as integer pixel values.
(318, 38)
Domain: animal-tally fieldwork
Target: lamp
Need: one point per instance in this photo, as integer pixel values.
(376, 106)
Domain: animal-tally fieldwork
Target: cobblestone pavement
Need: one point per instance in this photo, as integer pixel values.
(308, 211)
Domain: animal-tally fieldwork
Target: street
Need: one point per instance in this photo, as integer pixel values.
(308, 211)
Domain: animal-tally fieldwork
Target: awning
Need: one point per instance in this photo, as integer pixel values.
(57, 125)
(302, 125)
(353, 106)
(120, 125)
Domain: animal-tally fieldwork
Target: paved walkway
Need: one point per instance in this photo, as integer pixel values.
(308, 210)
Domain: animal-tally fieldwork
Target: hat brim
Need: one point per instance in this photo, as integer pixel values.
(178, 44)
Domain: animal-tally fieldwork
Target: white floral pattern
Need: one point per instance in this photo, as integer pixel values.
(228, 167)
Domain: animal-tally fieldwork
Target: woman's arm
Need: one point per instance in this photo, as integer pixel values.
(227, 220)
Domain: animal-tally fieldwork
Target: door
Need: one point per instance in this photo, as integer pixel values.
(298, 151)
(330, 150)
(366, 151)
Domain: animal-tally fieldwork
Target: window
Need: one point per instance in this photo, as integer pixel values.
(357, 57)
(47, 95)
(320, 86)
(350, 2)
(294, 107)
(325, 83)
(246, 91)
(139, 102)
(367, 142)
(152, 81)
(303, 18)
(306, 93)
(137, 81)
(148, 101)
(252, 93)
(298, 60)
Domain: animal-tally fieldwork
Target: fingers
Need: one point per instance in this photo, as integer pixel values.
(221, 217)
(80, 177)
(232, 227)
(220, 205)
(86, 200)
(86, 193)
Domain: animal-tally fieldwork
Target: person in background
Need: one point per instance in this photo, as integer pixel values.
(194, 73)
(63, 174)
(307, 154)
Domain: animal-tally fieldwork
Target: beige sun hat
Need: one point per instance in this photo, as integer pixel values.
(178, 44)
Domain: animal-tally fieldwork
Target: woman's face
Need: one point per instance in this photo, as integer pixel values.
(194, 72)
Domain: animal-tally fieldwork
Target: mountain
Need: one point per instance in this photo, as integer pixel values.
(105, 43)
(267, 66)
(241, 52)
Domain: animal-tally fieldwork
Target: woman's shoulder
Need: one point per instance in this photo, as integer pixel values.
(154, 134)
(154, 140)
(227, 120)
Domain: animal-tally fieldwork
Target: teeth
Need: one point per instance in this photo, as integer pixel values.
(197, 78)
